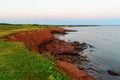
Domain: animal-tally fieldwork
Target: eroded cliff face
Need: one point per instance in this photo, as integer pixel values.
(73, 71)
(42, 40)
(34, 39)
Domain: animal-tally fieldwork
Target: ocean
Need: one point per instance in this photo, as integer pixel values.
(106, 52)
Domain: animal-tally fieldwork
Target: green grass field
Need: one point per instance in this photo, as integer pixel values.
(8, 29)
(17, 63)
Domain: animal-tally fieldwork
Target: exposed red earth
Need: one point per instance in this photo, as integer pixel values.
(43, 40)
(73, 71)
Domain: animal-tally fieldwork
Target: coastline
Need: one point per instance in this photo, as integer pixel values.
(42, 40)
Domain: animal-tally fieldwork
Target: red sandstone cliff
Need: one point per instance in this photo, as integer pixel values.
(43, 40)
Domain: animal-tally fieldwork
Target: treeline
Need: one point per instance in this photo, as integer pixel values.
(37, 25)
(47, 25)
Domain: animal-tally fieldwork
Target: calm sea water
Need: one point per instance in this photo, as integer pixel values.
(105, 55)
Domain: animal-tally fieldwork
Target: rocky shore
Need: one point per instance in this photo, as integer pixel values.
(66, 53)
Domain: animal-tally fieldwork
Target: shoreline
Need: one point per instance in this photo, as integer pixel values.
(41, 41)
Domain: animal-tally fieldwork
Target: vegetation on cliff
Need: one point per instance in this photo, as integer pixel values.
(17, 63)
(6, 29)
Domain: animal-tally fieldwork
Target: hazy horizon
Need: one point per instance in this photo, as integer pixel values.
(62, 12)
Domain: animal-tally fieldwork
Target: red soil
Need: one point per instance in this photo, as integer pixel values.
(73, 71)
(43, 40)
(58, 47)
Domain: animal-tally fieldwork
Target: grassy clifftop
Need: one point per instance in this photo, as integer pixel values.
(17, 63)
(6, 29)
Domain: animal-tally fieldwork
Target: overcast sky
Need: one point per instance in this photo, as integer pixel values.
(60, 11)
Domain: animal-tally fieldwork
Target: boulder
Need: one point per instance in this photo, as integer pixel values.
(113, 72)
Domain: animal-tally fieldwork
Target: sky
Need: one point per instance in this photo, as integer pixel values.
(64, 12)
